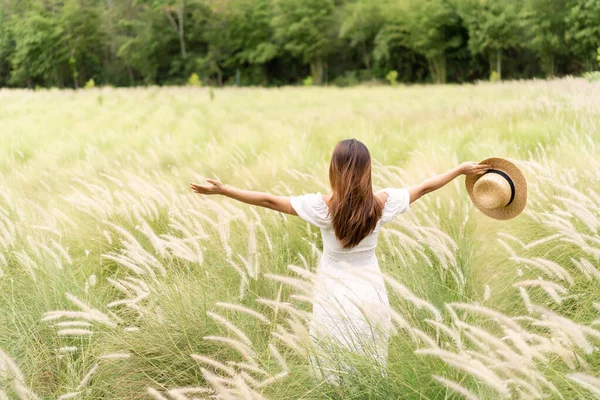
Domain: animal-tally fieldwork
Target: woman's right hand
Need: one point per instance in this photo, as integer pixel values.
(474, 168)
(213, 187)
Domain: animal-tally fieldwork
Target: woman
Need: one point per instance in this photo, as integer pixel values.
(350, 303)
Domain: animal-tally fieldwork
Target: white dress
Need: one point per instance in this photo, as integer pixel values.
(350, 302)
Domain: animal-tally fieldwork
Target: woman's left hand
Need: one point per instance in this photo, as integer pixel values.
(213, 187)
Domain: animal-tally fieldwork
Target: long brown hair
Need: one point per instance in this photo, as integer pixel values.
(353, 208)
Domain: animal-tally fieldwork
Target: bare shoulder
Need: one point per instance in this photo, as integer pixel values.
(327, 199)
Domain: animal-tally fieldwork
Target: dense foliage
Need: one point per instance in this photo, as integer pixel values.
(65, 43)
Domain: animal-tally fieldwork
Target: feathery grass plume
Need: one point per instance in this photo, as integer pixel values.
(253, 255)
(304, 262)
(583, 213)
(512, 238)
(180, 393)
(90, 283)
(289, 341)
(66, 349)
(407, 295)
(3, 263)
(506, 246)
(251, 381)
(548, 267)
(119, 259)
(155, 394)
(180, 249)
(245, 310)
(157, 243)
(303, 272)
(213, 363)
(305, 287)
(288, 307)
(272, 379)
(587, 268)
(455, 386)
(470, 366)
(107, 236)
(249, 267)
(491, 340)
(223, 230)
(577, 334)
(48, 251)
(73, 332)
(9, 371)
(10, 366)
(453, 334)
(251, 368)
(219, 385)
(73, 323)
(541, 241)
(127, 301)
(279, 358)
(488, 312)
(550, 287)
(117, 283)
(26, 262)
(231, 327)
(590, 382)
(24, 392)
(114, 356)
(244, 391)
(425, 338)
(526, 299)
(244, 350)
(88, 313)
(487, 294)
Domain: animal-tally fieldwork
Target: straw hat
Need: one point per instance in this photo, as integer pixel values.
(500, 193)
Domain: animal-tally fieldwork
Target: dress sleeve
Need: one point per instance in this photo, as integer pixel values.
(311, 208)
(398, 201)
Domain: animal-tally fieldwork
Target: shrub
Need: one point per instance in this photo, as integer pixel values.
(593, 76)
(90, 84)
(494, 76)
(392, 77)
(349, 78)
(194, 80)
(308, 81)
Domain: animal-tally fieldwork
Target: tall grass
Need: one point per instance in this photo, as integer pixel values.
(117, 282)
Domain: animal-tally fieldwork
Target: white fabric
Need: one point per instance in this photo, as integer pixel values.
(350, 302)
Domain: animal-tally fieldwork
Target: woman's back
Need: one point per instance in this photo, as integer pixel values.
(313, 209)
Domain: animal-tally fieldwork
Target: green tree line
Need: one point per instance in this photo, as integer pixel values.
(65, 43)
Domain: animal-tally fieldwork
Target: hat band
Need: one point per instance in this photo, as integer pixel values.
(510, 182)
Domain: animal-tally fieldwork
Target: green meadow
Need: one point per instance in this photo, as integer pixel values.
(117, 282)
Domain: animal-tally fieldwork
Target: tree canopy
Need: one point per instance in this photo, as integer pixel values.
(65, 43)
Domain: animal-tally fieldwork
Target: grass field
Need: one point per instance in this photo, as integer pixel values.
(116, 282)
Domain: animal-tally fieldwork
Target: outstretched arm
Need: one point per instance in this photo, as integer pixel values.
(435, 182)
(261, 199)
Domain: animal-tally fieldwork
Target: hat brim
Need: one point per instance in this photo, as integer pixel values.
(520, 200)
